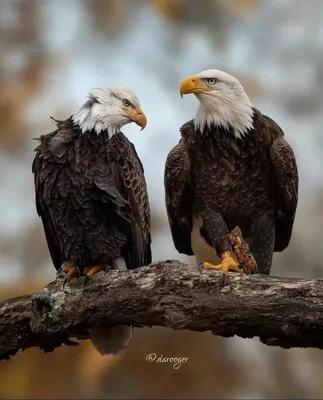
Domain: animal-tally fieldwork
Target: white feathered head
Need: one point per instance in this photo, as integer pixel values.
(109, 110)
(223, 101)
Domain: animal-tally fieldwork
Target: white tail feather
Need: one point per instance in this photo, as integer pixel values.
(111, 340)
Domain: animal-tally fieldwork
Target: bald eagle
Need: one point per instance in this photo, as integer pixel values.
(92, 197)
(231, 167)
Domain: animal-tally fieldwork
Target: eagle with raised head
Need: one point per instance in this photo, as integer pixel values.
(232, 167)
(92, 197)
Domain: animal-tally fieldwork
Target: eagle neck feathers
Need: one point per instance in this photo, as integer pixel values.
(69, 125)
(218, 137)
(238, 119)
(89, 118)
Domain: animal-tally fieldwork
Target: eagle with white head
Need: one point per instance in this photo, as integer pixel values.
(232, 167)
(109, 110)
(92, 197)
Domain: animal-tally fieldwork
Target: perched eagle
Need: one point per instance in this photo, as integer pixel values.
(232, 167)
(92, 197)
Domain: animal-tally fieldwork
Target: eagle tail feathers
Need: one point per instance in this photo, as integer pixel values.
(109, 341)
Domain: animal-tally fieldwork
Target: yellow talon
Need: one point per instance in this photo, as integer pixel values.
(227, 264)
(71, 272)
(90, 271)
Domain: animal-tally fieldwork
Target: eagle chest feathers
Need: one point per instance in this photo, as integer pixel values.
(231, 175)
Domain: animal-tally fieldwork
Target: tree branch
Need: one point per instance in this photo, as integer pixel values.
(281, 311)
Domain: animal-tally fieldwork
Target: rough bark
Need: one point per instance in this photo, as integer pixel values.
(280, 311)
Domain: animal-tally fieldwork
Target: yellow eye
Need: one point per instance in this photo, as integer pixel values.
(211, 81)
(126, 103)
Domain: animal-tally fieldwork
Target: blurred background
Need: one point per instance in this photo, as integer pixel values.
(52, 52)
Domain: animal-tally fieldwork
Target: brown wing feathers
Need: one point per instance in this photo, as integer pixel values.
(178, 197)
(286, 175)
(132, 186)
(93, 206)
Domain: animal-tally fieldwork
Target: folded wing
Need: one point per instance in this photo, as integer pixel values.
(178, 197)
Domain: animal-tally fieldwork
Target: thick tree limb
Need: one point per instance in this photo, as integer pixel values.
(281, 311)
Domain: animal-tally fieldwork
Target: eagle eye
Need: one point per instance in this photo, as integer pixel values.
(126, 103)
(211, 81)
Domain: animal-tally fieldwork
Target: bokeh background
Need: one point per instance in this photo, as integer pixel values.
(52, 52)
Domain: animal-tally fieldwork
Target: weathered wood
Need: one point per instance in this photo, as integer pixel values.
(280, 311)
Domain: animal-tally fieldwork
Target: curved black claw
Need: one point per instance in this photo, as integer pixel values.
(223, 281)
(86, 280)
(201, 267)
(74, 272)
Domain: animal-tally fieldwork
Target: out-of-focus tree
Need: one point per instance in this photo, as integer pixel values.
(22, 65)
(240, 8)
(109, 16)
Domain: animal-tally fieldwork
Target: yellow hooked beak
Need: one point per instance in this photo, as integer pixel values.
(193, 84)
(138, 117)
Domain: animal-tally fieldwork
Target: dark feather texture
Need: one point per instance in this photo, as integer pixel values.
(251, 182)
(92, 198)
(178, 192)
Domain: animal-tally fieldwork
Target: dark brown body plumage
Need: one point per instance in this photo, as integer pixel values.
(250, 181)
(92, 198)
